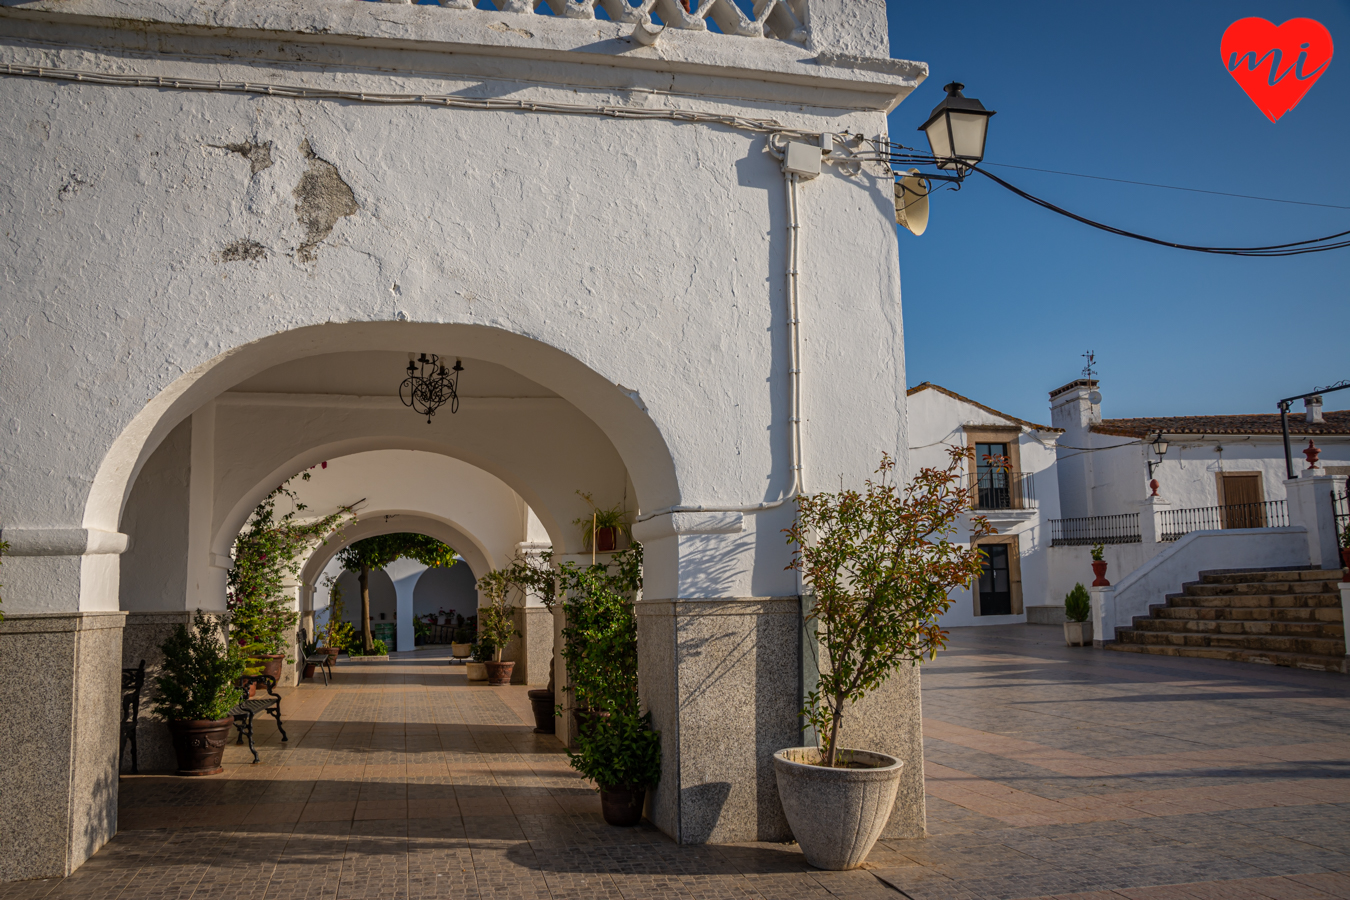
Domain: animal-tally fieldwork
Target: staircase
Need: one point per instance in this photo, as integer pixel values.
(1281, 617)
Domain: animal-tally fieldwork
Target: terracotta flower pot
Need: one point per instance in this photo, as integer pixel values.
(309, 670)
(1345, 563)
(542, 703)
(476, 671)
(332, 651)
(272, 664)
(200, 744)
(499, 673)
(606, 539)
(1099, 569)
(622, 806)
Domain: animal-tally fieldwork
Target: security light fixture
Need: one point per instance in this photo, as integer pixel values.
(956, 130)
(429, 385)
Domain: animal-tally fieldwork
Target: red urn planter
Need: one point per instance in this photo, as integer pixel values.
(200, 744)
(1345, 563)
(309, 670)
(1099, 569)
(272, 664)
(499, 673)
(606, 539)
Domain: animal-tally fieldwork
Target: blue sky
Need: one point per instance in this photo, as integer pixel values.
(1001, 297)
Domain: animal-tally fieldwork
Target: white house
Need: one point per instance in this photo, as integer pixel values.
(1018, 501)
(229, 224)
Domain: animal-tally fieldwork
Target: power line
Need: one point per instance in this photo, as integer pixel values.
(1294, 248)
(1170, 187)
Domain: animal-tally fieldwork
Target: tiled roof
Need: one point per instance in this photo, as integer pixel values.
(1337, 422)
(989, 409)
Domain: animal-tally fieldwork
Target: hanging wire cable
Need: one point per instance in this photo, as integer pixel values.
(1295, 248)
(898, 156)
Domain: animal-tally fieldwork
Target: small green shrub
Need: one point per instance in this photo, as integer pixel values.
(200, 678)
(1077, 604)
(619, 751)
(379, 648)
(1098, 551)
(483, 652)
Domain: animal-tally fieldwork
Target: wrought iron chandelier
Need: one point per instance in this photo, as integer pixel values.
(429, 385)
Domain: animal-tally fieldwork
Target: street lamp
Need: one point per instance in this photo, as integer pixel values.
(956, 130)
(1159, 446)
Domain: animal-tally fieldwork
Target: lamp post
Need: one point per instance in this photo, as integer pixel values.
(956, 130)
(1159, 446)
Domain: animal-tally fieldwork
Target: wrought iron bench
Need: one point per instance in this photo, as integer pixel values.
(323, 661)
(243, 713)
(132, 682)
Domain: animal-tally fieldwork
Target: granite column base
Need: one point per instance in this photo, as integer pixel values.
(58, 786)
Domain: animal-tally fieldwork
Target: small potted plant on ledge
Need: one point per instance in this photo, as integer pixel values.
(476, 668)
(1078, 613)
(1099, 566)
(198, 686)
(880, 564)
(601, 530)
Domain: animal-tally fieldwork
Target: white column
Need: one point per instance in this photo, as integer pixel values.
(1103, 614)
(1310, 506)
(405, 573)
(1150, 519)
(205, 575)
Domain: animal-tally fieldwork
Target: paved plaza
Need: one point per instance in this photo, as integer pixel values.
(1051, 771)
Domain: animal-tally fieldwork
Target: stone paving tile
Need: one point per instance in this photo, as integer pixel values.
(1052, 773)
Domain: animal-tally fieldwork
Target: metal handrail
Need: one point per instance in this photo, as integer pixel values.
(1263, 514)
(1087, 530)
(1000, 489)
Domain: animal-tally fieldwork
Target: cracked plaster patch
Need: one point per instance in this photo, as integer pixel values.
(507, 29)
(259, 156)
(322, 197)
(243, 250)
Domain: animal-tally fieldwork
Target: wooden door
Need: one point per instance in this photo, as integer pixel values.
(1242, 496)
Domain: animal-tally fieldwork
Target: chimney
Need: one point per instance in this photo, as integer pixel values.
(1312, 408)
(1075, 407)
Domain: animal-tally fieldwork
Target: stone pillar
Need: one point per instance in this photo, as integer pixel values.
(1103, 615)
(60, 667)
(1310, 506)
(1150, 519)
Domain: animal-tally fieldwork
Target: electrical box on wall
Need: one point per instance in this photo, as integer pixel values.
(802, 159)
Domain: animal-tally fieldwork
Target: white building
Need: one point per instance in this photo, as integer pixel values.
(228, 224)
(1018, 501)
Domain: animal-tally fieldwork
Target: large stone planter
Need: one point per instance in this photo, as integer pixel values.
(461, 651)
(476, 671)
(1078, 634)
(836, 815)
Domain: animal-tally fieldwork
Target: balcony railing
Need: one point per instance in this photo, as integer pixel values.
(996, 489)
(1265, 514)
(782, 19)
(1087, 530)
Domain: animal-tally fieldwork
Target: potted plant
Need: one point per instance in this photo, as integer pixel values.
(497, 623)
(880, 565)
(421, 631)
(1099, 566)
(476, 669)
(461, 642)
(307, 650)
(600, 531)
(198, 686)
(622, 754)
(1078, 613)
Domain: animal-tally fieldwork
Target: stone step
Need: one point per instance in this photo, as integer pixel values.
(1256, 601)
(1331, 631)
(1274, 575)
(1294, 660)
(1249, 614)
(1201, 589)
(1271, 644)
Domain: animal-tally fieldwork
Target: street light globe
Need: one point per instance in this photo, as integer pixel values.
(956, 129)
